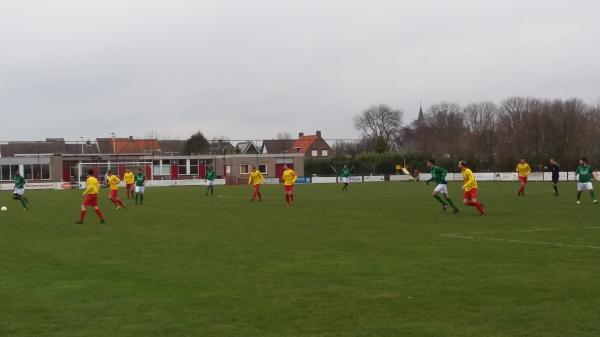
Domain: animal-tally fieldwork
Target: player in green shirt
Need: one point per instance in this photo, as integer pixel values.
(140, 186)
(19, 191)
(345, 174)
(438, 174)
(586, 174)
(210, 180)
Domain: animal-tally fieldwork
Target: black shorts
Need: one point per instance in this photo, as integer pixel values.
(555, 181)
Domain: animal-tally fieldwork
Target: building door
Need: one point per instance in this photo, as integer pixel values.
(279, 168)
(174, 170)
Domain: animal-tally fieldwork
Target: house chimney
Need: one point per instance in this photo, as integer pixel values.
(131, 138)
(301, 134)
(318, 133)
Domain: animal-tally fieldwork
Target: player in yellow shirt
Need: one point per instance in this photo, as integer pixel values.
(113, 184)
(289, 179)
(255, 179)
(470, 187)
(523, 169)
(129, 178)
(91, 197)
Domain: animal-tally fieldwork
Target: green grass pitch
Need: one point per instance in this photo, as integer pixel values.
(379, 260)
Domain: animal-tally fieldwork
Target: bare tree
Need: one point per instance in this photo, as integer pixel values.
(284, 135)
(379, 121)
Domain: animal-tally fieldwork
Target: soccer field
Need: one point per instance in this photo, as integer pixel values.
(379, 260)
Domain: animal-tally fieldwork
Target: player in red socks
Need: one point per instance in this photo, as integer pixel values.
(470, 188)
(289, 179)
(90, 198)
(255, 179)
(113, 183)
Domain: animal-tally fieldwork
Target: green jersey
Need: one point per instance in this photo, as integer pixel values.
(345, 173)
(585, 173)
(19, 181)
(140, 179)
(211, 175)
(438, 174)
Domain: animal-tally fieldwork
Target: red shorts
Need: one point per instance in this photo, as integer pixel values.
(91, 200)
(129, 186)
(523, 179)
(470, 194)
(114, 194)
(289, 188)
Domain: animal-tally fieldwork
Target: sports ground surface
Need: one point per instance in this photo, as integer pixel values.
(380, 260)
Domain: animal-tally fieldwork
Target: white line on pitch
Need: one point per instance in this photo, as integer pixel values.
(539, 243)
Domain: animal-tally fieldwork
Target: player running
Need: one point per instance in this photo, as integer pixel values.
(129, 179)
(470, 188)
(523, 169)
(19, 190)
(113, 184)
(585, 173)
(289, 179)
(345, 175)
(255, 179)
(210, 180)
(438, 174)
(91, 198)
(140, 183)
(555, 169)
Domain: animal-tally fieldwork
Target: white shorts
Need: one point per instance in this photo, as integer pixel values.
(345, 180)
(139, 189)
(584, 187)
(210, 182)
(19, 191)
(441, 188)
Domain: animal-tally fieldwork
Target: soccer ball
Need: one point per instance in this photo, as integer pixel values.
(4, 209)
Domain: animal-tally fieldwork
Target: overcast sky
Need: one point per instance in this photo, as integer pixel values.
(253, 68)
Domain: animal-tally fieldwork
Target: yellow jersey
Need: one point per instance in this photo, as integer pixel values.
(92, 186)
(113, 182)
(256, 178)
(469, 180)
(289, 177)
(128, 177)
(523, 169)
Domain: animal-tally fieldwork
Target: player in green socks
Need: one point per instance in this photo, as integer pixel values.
(19, 191)
(140, 186)
(345, 175)
(438, 174)
(586, 174)
(210, 180)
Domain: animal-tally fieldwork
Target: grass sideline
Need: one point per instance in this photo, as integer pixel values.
(375, 261)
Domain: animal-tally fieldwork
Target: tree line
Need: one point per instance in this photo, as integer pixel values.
(490, 136)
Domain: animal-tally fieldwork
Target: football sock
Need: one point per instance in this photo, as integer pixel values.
(593, 194)
(478, 206)
(99, 213)
(438, 198)
(451, 203)
(578, 195)
(141, 198)
(555, 188)
(136, 198)
(23, 203)
(82, 215)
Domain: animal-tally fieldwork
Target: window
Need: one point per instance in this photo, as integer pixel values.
(5, 174)
(45, 171)
(182, 166)
(37, 172)
(228, 169)
(13, 170)
(156, 168)
(314, 153)
(28, 172)
(244, 169)
(194, 167)
(262, 168)
(324, 153)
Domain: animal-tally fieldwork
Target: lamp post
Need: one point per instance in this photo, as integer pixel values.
(114, 138)
(81, 144)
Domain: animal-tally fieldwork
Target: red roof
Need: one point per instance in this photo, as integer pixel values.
(304, 142)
